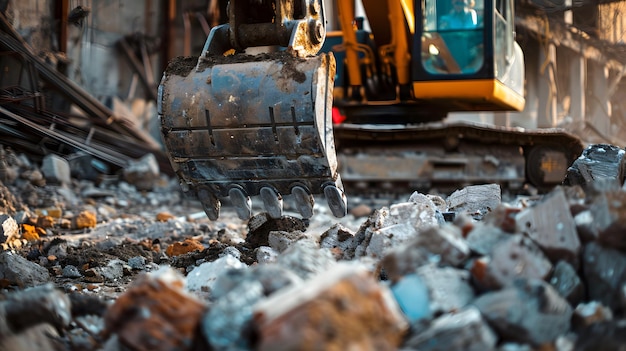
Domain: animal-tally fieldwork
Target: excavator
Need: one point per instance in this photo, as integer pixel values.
(275, 107)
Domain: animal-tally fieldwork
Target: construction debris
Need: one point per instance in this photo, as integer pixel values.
(535, 272)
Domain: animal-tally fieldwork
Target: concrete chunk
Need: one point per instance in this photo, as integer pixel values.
(567, 282)
(342, 309)
(224, 325)
(203, 277)
(143, 173)
(550, 224)
(476, 200)
(340, 240)
(528, 311)
(281, 240)
(604, 271)
(597, 162)
(394, 226)
(56, 170)
(442, 244)
(482, 238)
(465, 330)
(585, 227)
(609, 219)
(449, 288)
(590, 313)
(306, 259)
(513, 258)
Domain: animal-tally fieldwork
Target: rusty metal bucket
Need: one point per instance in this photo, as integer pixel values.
(241, 126)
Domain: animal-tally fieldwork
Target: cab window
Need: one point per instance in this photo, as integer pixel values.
(452, 39)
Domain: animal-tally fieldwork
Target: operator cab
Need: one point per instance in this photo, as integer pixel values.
(465, 53)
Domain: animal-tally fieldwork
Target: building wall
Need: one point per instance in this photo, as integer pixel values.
(34, 20)
(612, 22)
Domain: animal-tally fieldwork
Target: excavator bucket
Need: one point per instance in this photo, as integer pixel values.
(237, 126)
(242, 126)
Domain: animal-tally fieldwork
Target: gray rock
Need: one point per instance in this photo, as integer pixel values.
(340, 238)
(281, 240)
(528, 311)
(585, 227)
(137, 262)
(223, 326)
(56, 170)
(306, 259)
(597, 162)
(231, 250)
(550, 224)
(113, 270)
(20, 271)
(513, 258)
(590, 313)
(464, 330)
(482, 238)
(70, 271)
(609, 210)
(265, 254)
(449, 288)
(476, 200)
(604, 271)
(142, 173)
(567, 282)
(203, 277)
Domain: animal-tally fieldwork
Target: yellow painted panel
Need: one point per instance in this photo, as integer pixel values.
(479, 91)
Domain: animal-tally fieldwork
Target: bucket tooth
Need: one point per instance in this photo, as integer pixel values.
(242, 203)
(210, 203)
(337, 201)
(304, 201)
(272, 201)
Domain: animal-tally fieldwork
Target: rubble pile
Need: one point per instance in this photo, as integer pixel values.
(113, 265)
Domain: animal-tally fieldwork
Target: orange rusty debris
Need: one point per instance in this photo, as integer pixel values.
(179, 248)
(85, 219)
(29, 232)
(164, 216)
